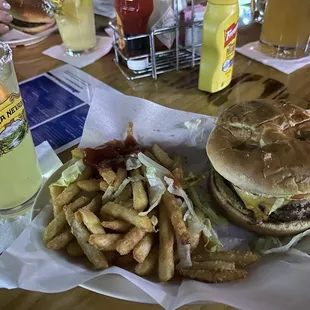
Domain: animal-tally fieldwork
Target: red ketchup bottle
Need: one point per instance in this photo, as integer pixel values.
(132, 19)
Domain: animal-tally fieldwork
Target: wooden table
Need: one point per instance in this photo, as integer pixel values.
(176, 90)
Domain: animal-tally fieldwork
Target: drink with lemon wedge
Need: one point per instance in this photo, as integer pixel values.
(76, 24)
(20, 177)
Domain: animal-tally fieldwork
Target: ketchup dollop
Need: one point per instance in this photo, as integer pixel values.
(113, 153)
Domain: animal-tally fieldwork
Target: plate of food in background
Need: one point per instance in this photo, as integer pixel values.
(32, 22)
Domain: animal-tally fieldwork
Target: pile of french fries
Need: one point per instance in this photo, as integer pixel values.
(114, 232)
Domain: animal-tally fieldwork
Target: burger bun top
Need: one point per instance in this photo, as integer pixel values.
(30, 11)
(263, 147)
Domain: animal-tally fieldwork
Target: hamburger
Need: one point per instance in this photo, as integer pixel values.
(31, 16)
(260, 176)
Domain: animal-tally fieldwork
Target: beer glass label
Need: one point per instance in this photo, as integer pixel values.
(13, 123)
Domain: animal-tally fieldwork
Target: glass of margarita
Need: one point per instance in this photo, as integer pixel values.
(20, 177)
(76, 24)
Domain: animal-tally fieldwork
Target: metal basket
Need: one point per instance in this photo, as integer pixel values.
(176, 58)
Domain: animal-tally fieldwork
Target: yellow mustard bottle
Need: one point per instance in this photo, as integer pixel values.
(218, 44)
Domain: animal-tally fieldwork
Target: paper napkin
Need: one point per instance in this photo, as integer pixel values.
(252, 51)
(104, 45)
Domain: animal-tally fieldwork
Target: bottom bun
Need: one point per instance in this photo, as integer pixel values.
(32, 30)
(225, 200)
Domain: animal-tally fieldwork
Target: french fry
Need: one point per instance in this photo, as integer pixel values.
(241, 259)
(121, 175)
(106, 218)
(116, 225)
(92, 185)
(56, 226)
(77, 153)
(108, 175)
(95, 205)
(80, 232)
(130, 240)
(69, 215)
(60, 241)
(166, 244)
(140, 199)
(195, 237)
(67, 195)
(74, 249)
(55, 191)
(216, 265)
(105, 242)
(214, 276)
(128, 215)
(86, 174)
(103, 185)
(149, 264)
(176, 218)
(125, 261)
(125, 195)
(91, 221)
(143, 248)
(178, 169)
(162, 157)
(127, 204)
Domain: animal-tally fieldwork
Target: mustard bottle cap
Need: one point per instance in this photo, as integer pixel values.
(223, 2)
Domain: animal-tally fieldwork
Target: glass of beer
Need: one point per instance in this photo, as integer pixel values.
(76, 24)
(286, 29)
(20, 177)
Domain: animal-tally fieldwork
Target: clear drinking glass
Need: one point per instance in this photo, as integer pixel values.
(20, 177)
(76, 24)
(286, 29)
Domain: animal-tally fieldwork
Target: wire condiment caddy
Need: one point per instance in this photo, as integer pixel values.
(176, 58)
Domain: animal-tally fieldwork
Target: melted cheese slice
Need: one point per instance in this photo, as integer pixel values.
(262, 207)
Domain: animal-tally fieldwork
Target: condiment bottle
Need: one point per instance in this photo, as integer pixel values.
(218, 44)
(132, 20)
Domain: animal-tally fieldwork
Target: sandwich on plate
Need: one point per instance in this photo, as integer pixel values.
(31, 16)
(260, 156)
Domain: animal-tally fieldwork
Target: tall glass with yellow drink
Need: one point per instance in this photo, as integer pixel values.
(76, 24)
(20, 176)
(286, 29)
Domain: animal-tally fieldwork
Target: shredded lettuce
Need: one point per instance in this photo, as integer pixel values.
(194, 227)
(155, 176)
(178, 191)
(186, 215)
(205, 208)
(132, 163)
(71, 174)
(156, 189)
(269, 245)
(149, 163)
(154, 221)
(184, 251)
(108, 195)
(121, 187)
(207, 229)
(277, 204)
(137, 178)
